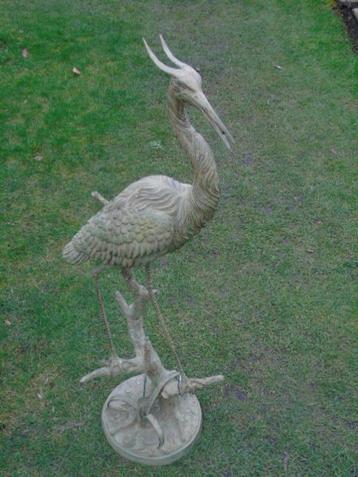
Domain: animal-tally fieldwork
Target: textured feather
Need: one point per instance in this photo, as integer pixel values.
(71, 255)
(121, 236)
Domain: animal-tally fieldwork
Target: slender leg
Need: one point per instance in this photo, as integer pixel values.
(103, 313)
(149, 284)
(163, 322)
(149, 278)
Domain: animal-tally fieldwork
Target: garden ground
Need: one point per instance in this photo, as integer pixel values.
(265, 294)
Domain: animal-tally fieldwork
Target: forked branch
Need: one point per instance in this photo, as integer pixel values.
(146, 359)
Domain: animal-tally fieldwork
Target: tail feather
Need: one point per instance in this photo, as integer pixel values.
(72, 255)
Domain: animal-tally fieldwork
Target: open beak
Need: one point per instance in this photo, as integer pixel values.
(201, 102)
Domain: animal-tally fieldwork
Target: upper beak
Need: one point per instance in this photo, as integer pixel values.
(201, 102)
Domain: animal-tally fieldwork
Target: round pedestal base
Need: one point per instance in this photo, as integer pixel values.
(136, 439)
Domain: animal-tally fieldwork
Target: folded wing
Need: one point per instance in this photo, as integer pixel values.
(122, 236)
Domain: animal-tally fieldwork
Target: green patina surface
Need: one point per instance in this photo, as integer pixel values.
(265, 294)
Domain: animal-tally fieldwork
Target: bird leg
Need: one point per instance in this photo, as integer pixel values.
(152, 291)
(149, 278)
(103, 313)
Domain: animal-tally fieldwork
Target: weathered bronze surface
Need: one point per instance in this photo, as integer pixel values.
(154, 417)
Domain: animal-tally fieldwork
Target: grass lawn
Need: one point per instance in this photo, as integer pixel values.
(265, 294)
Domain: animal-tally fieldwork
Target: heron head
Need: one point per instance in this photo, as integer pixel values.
(187, 82)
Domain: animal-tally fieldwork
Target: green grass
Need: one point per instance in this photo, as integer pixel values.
(265, 294)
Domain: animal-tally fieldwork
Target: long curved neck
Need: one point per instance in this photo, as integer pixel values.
(205, 190)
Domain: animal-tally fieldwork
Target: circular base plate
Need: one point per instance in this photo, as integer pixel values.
(179, 418)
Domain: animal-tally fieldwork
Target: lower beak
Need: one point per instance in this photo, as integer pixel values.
(203, 104)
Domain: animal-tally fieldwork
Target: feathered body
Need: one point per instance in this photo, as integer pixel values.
(156, 214)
